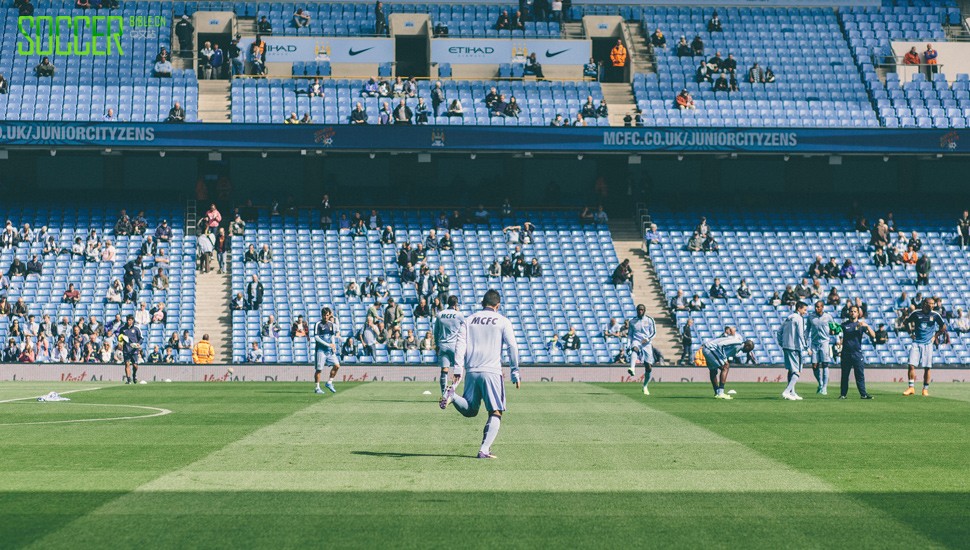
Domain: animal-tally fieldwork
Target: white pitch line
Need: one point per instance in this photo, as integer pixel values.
(59, 393)
(158, 411)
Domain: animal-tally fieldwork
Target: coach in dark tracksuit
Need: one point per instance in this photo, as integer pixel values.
(852, 358)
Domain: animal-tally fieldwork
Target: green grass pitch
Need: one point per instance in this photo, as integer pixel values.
(251, 465)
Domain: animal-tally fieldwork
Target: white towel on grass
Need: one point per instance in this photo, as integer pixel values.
(52, 396)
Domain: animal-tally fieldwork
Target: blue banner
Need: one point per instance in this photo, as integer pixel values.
(494, 51)
(483, 138)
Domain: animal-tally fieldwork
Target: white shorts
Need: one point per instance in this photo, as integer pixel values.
(642, 355)
(822, 353)
(324, 359)
(793, 360)
(921, 355)
(487, 387)
(446, 358)
(713, 363)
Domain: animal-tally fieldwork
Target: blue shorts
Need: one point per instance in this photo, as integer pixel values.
(713, 363)
(446, 358)
(921, 355)
(793, 360)
(487, 387)
(325, 359)
(822, 353)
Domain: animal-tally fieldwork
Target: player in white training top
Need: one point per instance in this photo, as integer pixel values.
(480, 354)
(448, 329)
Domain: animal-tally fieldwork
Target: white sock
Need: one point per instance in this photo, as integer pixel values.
(318, 385)
(791, 384)
(330, 381)
(491, 432)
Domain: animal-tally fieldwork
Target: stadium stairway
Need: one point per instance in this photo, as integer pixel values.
(212, 313)
(641, 59)
(214, 101)
(573, 30)
(628, 243)
(619, 97)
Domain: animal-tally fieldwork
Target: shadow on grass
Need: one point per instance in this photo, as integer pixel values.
(406, 455)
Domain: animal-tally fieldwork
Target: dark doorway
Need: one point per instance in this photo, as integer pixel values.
(601, 53)
(412, 56)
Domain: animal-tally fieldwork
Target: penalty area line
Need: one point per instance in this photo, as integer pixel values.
(59, 393)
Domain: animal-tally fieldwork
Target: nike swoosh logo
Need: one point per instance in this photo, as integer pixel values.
(554, 54)
(358, 52)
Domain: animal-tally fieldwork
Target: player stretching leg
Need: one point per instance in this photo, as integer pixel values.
(642, 331)
(791, 338)
(479, 352)
(920, 324)
(819, 328)
(718, 353)
(130, 339)
(447, 329)
(326, 333)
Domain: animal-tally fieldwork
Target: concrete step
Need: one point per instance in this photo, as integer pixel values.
(212, 315)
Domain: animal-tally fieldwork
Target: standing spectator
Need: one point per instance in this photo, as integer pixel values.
(205, 245)
(438, 98)
(254, 293)
(963, 229)
(687, 342)
(205, 61)
(234, 55)
(618, 58)
(380, 20)
(930, 56)
(911, 57)
(203, 352)
(185, 32)
(222, 248)
(923, 267)
(213, 218)
(216, 61)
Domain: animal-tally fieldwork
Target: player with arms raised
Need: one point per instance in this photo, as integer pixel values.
(921, 324)
(326, 334)
(448, 328)
(480, 354)
(718, 354)
(642, 331)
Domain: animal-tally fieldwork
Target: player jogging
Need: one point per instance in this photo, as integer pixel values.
(920, 324)
(448, 328)
(480, 354)
(819, 328)
(718, 354)
(130, 340)
(852, 359)
(642, 331)
(791, 338)
(326, 335)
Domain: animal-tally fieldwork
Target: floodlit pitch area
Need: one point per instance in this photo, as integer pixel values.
(271, 464)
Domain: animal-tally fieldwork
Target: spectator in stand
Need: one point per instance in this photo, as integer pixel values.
(163, 233)
(910, 257)
(16, 269)
(802, 290)
(254, 293)
(265, 255)
(455, 109)
(678, 302)
(495, 269)
(831, 269)
(618, 59)
(755, 74)
(591, 69)
(911, 57)
(299, 328)
(35, 266)
(45, 68)
(159, 281)
(422, 112)
(217, 61)
(730, 65)
(717, 290)
(176, 113)
(714, 23)
(301, 18)
(923, 267)
(915, 242)
(25, 8)
(817, 269)
(658, 39)
(578, 122)
(446, 243)
(270, 328)
(716, 63)
(498, 106)
(769, 75)
(533, 67)
(503, 23)
(623, 274)
(115, 293)
(512, 108)
(205, 61)
(600, 217)
(651, 238)
(695, 304)
(721, 84)
(697, 46)
(683, 48)
(518, 23)
(588, 110)
(743, 292)
(684, 101)
(703, 73)
(370, 88)
(848, 270)
(602, 111)
(833, 298)
(963, 229)
(71, 295)
(930, 56)
(880, 258)
(358, 115)
(961, 321)
(292, 119)
(403, 113)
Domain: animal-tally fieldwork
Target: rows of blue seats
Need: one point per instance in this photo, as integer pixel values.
(788, 40)
(572, 292)
(140, 103)
(772, 249)
(267, 101)
(920, 103)
(43, 293)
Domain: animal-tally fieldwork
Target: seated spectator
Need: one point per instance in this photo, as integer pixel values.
(703, 73)
(4, 85)
(623, 273)
(817, 269)
(755, 74)
(17, 269)
(696, 242)
(714, 23)
(729, 65)
(519, 268)
(370, 88)
(251, 255)
(491, 97)
(422, 309)
(803, 291)
(158, 314)
(717, 290)
(697, 46)
(238, 302)
(455, 109)
(498, 106)
(305, 119)
(602, 111)
(176, 113)
(579, 121)
(71, 295)
(678, 302)
(507, 267)
(301, 19)
(427, 343)
(658, 39)
(503, 23)
(588, 110)
(446, 243)
(558, 121)
(831, 269)
(721, 84)
(961, 321)
(684, 100)
(403, 113)
(384, 88)
(35, 266)
(715, 64)
(299, 328)
(480, 215)
(789, 298)
(270, 328)
(591, 69)
(115, 293)
(518, 23)
(695, 304)
(162, 69)
(44, 68)
(743, 292)
(396, 341)
(911, 57)
(847, 271)
(915, 242)
(265, 255)
(533, 67)
(769, 75)
(683, 48)
(710, 244)
(292, 119)
(880, 258)
(495, 269)
(358, 115)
